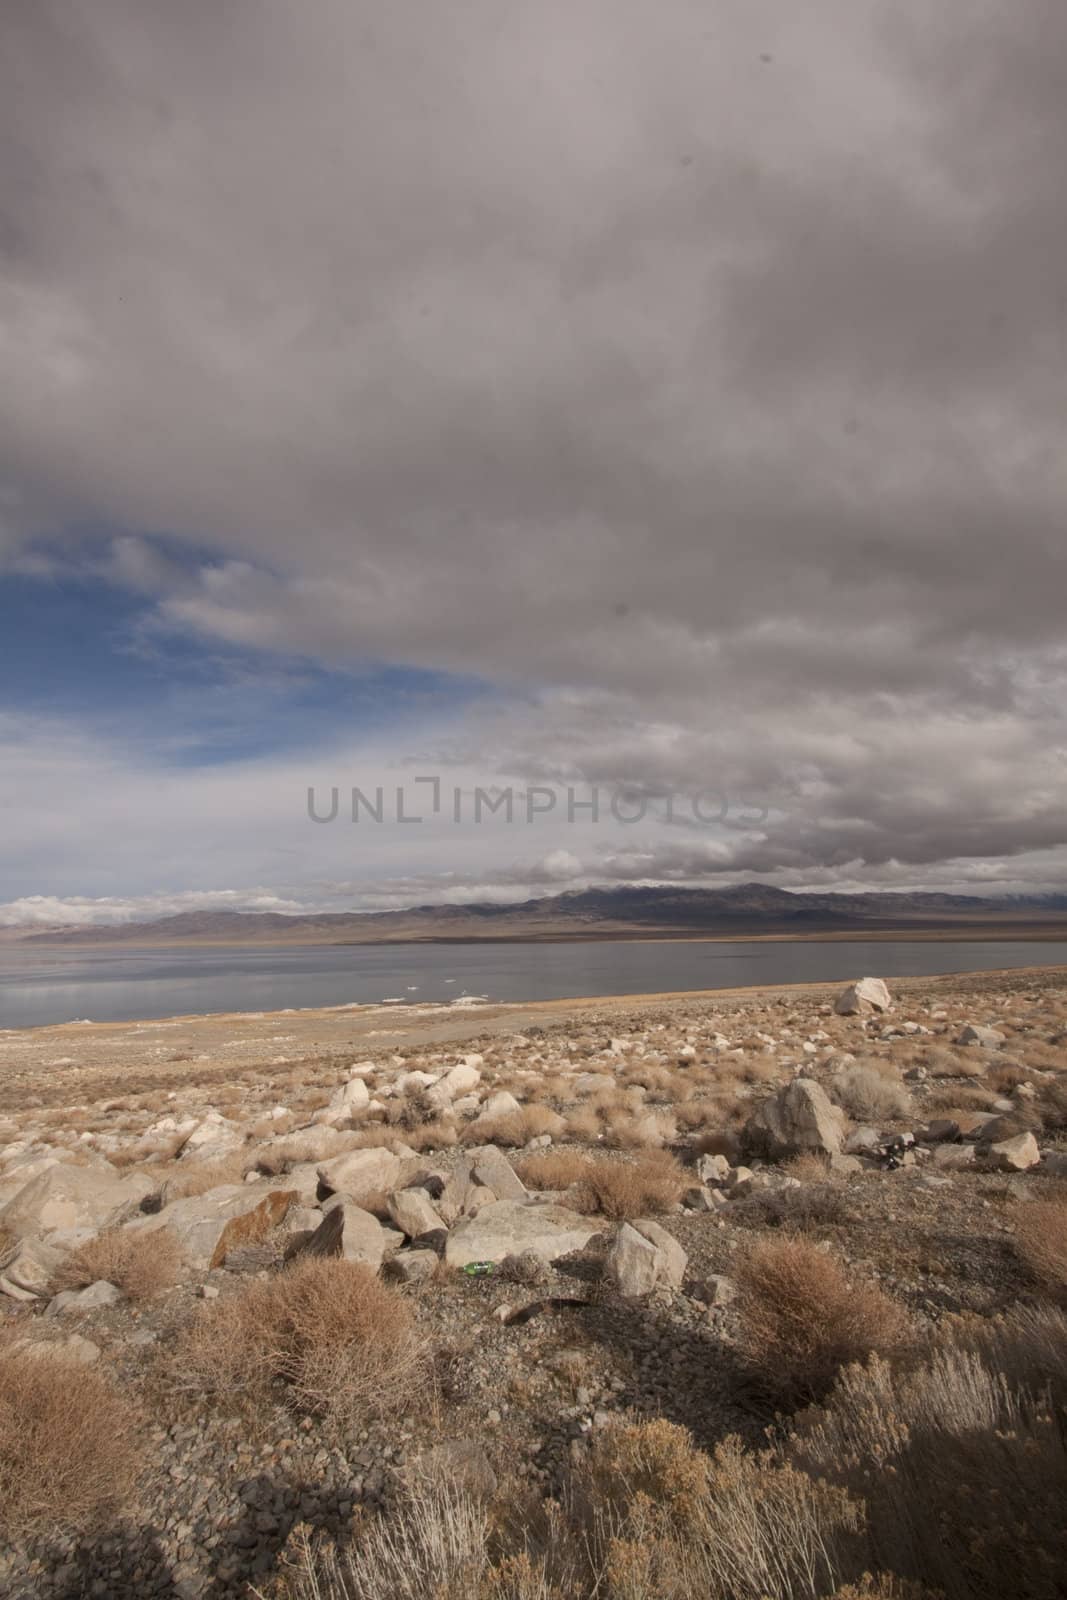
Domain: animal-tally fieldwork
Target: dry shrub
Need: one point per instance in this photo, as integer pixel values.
(811, 1167)
(964, 1475)
(69, 1451)
(140, 1264)
(652, 1182)
(643, 1130)
(190, 1178)
(553, 1169)
(435, 1545)
(1041, 1235)
(584, 1125)
(656, 1518)
(871, 1092)
(647, 1517)
(1006, 1075)
(515, 1128)
(328, 1334)
(441, 1134)
(1053, 1102)
(944, 1063)
(802, 1318)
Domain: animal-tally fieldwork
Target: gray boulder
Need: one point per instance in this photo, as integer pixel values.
(798, 1118)
(506, 1227)
(632, 1264)
(361, 1172)
(985, 1038)
(27, 1269)
(349, 1232)
(413, 1212)
(493, 1170)
(67, 1197)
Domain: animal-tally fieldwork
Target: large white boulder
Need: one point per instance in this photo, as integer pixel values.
(864, 996)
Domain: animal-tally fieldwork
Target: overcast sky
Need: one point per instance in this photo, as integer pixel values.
(662, 398)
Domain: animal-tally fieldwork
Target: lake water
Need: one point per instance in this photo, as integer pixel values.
(39, 985)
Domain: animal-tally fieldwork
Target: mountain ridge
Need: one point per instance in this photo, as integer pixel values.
(614, 912)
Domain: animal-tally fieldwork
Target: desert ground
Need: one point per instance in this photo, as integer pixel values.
(752, 1293)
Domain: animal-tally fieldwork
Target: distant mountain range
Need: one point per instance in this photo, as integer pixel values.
(750, 910)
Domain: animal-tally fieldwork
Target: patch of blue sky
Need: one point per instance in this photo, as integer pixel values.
(79, 642)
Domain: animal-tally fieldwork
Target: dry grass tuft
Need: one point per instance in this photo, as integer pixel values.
(140, 1264)
(649, 1183)
(871, 1092)
(186, 1179)
(69, 1451)
(553, 1169)
(515, 1128)
(1041, 1235)
(327, 1335)
(803, 1319)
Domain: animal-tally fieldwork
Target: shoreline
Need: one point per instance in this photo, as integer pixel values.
(79, 1063)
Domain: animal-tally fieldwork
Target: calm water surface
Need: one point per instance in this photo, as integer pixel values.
(41, 985)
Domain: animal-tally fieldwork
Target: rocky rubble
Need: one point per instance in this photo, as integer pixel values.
(402, 1167)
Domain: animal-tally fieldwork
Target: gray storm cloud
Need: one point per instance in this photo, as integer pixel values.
(697, 375)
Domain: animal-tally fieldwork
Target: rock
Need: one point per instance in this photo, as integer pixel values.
(953, 1157)
(698, 1198)
(993, 1129)
(412, 1266)
(65, 1196)
(506, 1227)
(863, 997)
(28, 1267)
(719, 1290)
(671, 1258)
(73, 1348)
(593, 1083)
(213, 1136)
(798, 1118)
(492, 1168)
(462, 1079)
(413, 1212)
(942, 1130)
(1015, 1155)
(252, 1226)
(452, 1201)
(348, 1101)
(199, 1222)
(985, 1038)
(501, 1104)
(97, 1295)
(713, 1169)
(459, 1462)
(1055, 1164)
(302, 1219)
(845, 1166)
(632, 1264)
(361, 1172)
(349, 1232)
